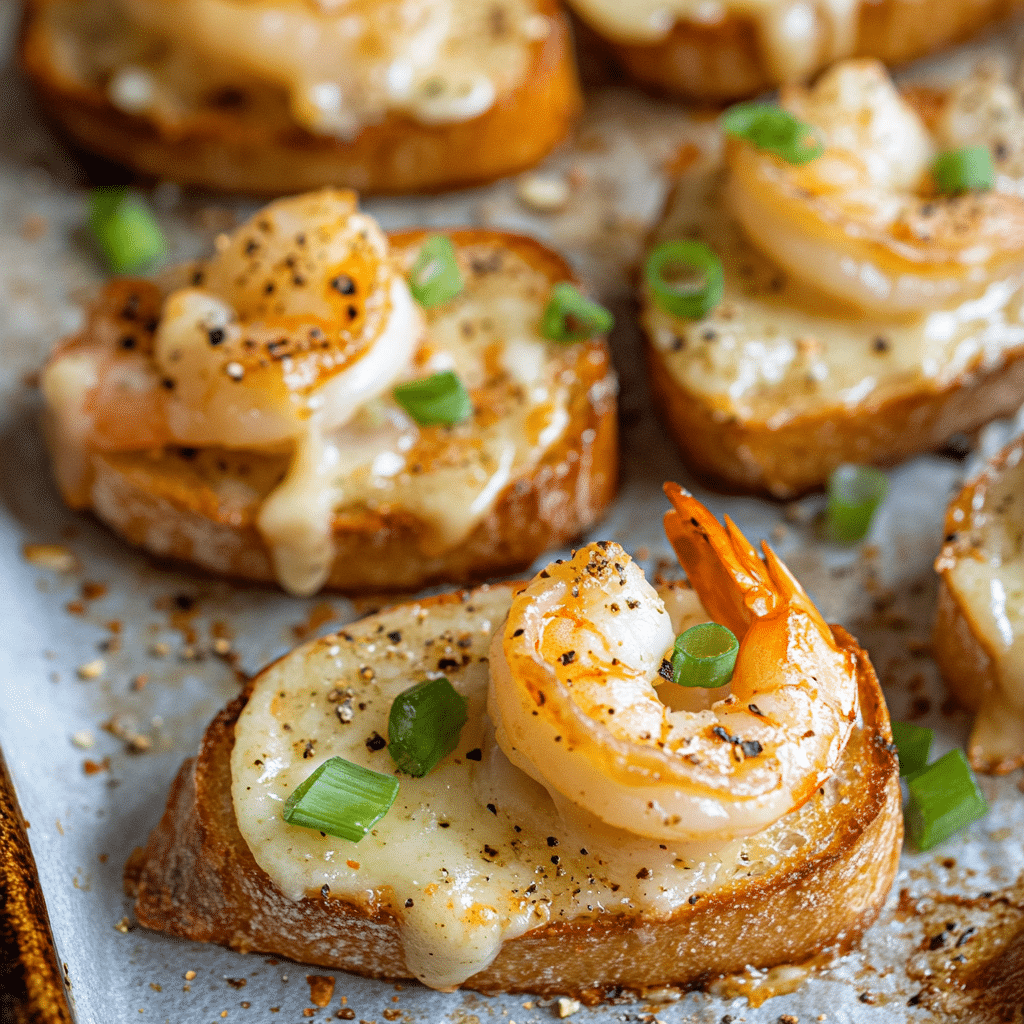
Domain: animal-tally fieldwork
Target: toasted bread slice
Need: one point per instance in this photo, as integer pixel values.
(240, 132)
(740, 53)
(813, 881)
(977, 640)
(784, 381)
(533, 466)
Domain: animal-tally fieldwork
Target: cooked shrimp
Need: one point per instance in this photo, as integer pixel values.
(862, 221)
(573, 692)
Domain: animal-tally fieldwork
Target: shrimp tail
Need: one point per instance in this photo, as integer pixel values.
(732, 582)
(788, 587)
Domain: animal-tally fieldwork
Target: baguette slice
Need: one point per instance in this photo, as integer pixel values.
(244, 139)
(977, 641)
(201, 505)
(731, 56)
(782, 382)
(813, 881)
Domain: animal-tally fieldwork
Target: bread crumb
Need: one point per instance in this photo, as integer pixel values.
(159, 649)
(321, 989)
(123, 926)
(83, 739)
(92, 669)
(544, 193)
(155, 986)
(567, 1007)
(139, 682)
(190, 975)
(50, 556)
(221, 646)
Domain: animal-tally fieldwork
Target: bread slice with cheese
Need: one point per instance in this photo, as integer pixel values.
(473, 878)
(274, 98)
(979, 625)
(787, 376)
(738, 48)
(370, 499)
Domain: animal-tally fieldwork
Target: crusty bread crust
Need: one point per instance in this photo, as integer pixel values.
(724, 60)
(799, 455)
(963, 656)
(196, 878)
(255, 149)
(168, 502)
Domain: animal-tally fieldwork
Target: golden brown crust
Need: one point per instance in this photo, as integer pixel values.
(725, 60)
(249, 149)
(799, 455)
(168, 501)
(197, 879)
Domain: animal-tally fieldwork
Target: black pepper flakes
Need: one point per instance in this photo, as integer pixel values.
(476, 754)
(376, 742)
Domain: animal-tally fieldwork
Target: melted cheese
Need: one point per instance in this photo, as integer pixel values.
(475, 853)
(776, 349)
(797, 36)
(339, 66)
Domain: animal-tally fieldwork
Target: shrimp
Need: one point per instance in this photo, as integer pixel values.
(573, 691)
(863, 222)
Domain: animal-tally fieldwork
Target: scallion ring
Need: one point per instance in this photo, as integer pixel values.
(342, 799)
(424, 725)
(685, 298)
(773, 130)
(570, 316)
(944, 798)
(964, 170)
(704, 655)
(854, 494)
(435, 277)
(913, 743)
(438, 400)
(125, 231)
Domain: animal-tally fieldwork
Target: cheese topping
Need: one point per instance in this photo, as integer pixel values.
(475, 853)
(338, 65)
(797, 36)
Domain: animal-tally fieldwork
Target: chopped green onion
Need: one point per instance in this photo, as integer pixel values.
(424, 725)
(342, 799)
(128, 236)
(774, 130)
(854, 494)
(704, 655)
(691, 299)
(570, 316)
(913, 742)
(944, 798)
(964, 170)
(435, 278)
(439, 399)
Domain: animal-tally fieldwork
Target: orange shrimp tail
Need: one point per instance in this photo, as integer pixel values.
(788, 587)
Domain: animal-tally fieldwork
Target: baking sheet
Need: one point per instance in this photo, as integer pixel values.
(112, 664)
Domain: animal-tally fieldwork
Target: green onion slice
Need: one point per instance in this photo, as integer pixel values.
(913, 742)
(704, 655)
(944, 798)
(690, 299)
(964, 170)
(773, 130)
(441, 399)
(570, 316)
(854, 494)
(128, 236)
(342, 799)
(425, 724)
(435, 278)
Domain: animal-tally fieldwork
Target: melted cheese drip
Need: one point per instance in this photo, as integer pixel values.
(987, 581)
(776, 349)
(797, 36)
(463, 859)
(341, 66)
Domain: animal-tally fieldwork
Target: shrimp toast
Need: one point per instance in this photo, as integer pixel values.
(247, 420)
(978, 626)
(743, 48)
(477, 876)
(192, 92)
(865, 318)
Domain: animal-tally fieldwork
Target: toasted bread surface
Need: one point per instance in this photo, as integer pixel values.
(813, 881)
(244, 139)
(980, 560)
(729, 57)
(201, 506)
